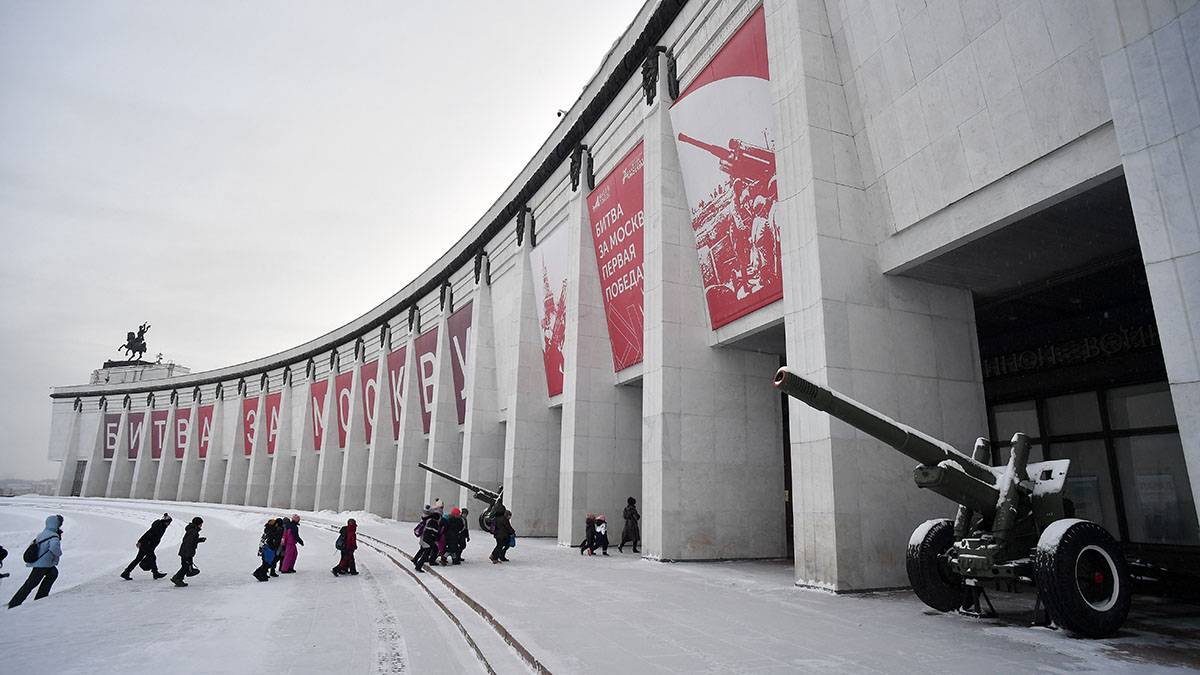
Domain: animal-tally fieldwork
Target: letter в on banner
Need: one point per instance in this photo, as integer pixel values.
(425, 353)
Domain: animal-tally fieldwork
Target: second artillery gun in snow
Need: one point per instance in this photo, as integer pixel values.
(1013, 527)
(494, 500)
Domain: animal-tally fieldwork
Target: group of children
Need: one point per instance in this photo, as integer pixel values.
(595, 529)
(442, 537)
(277, 547)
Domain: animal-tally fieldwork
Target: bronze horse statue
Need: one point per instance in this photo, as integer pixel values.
(135, 344)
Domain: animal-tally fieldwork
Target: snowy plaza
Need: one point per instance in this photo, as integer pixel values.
(568, 613)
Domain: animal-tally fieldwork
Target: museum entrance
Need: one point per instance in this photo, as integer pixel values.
(1070, 355)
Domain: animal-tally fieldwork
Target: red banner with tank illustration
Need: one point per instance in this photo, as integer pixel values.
(204, 422)
(395, 366)
(112, 428)
(272, 413)
(183, 430)
(249, 423)
(459, 327)
(133, 432)
(724, 126)
(158, 432)
(425, 351)
(616, 214)
(368, 381)
(549, 265)
(316, 392)
(343, 400)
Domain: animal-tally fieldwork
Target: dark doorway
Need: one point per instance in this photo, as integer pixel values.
(77, 482)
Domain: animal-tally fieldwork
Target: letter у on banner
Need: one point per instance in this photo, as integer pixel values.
(368, 376)
(112, 426)
(273, 400)
(395, 366)
(725, 132)
(615, 211)
(316, 392)
(425, 351)
(204, 422)
(158, 432)
(549, 266)
(183, 430)
(134, 425)
(459, 326)
(249, 423)
(343, 400)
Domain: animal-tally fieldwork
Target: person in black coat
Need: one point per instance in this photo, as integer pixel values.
(430, 529)
(275, 541)
(589, 535)
(457, 535)
(146, 545)
(187, 551)
(503, 531)
(632, 532)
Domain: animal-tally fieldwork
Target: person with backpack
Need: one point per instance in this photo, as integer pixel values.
(42, 555)
(601, 539)
(632, 532)
(429, 531)
(149, 541)
(266, 551)
(275, 541)
(291, 538)
(187, 551)
(347, 543)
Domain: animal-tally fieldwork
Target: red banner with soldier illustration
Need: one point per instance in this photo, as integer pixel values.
(724, 126)
(615, 212)
(549, 266)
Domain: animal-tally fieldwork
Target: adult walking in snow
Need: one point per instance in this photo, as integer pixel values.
(43, 559)
(348, 540)
(187, 551)
(291, 538)
(601, 539)
(589, 535)
(632, 532)
(149, 541)
(504, 534)
(429, 531)
(266, 551)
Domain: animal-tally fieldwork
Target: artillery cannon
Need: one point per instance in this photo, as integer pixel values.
(1013, 527)
(494, 500)
(740, 159)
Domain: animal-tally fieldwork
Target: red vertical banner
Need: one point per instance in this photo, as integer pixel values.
(204, 422)
(249, 423)
(343, 401)
(133, 432)
(112, 428)
(615, 211)
(395, 366)
(425, 351)
(158, 432)
(183, 430)
(549, 265)
(459, 327)
(725, 133)
(368, 379)
(316, 392)
(272, 414)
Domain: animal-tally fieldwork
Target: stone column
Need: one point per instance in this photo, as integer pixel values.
(712, 457)
(258, 474)
(381, 465)
(166, 483)
(95, 477)
(445, 440)
(905, 348)
(308, 457)
(212, 485)
(600, 456)
(354, 468)
(412, 447)
(90, 448)
(71, 450)
(120, 479)
(531, 463)
(237, 466)
(329, 466)
(191, 471)
(483, 433)
(1150, 53)
(283, 463)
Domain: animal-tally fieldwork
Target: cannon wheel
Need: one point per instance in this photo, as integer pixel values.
(1082, 577)
(928, 570)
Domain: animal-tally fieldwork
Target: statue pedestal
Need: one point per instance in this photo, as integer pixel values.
(125, 372)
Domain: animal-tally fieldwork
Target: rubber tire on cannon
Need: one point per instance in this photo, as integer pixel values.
(1082, 577)
(928, 570)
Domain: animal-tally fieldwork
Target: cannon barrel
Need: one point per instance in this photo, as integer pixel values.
(714, 150)
(482, 494)
(930, 452)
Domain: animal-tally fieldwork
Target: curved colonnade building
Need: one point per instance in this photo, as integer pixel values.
(976, 218)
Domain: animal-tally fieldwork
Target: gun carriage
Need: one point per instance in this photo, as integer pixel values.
(1013, 528)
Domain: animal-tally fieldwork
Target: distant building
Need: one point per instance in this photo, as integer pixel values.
(976, 218)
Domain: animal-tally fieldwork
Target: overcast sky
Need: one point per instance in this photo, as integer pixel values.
(248, 176)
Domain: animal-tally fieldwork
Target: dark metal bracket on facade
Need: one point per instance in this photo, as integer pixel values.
(650, 74)
(196, 395)
(287, 376)
(102, 404)
(174, 397)
(359, 349)
(150, 400)
(414, 319)
(483, 267)
(126, 401)
(577, 165)
(385, 337)
(264, 383)
(77, 405)
(334, 360)
(310, 370)
(220, 391)
(526, 211)
(241, 386)
(447, 297)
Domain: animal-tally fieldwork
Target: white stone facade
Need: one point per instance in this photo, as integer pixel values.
(906, 129)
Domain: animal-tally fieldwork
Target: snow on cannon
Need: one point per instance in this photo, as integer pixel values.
(1012, 529)
(494, 500)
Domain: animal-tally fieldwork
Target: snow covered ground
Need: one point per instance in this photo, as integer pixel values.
(572, 614)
